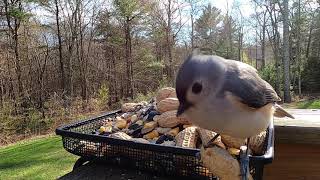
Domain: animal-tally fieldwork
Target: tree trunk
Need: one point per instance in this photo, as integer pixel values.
(275, 37)
(68, 69)
(41, 79)
(82, 60)
(256, 48)
(129, 63)
(192, 31)
(169, 64)
(13, 31)
(11, 91)
(63, 85)
(41, 99)
(298, 48)
(263, 45)
(309, 38)
(240, 45)
(286, 55)
(114, 78)
(17, 59)
(1, 92)
(14, 41)
(121, 85)
(10, 88)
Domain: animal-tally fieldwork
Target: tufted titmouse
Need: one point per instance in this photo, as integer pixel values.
(226, 96)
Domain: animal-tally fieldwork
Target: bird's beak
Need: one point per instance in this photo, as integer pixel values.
(182, 108)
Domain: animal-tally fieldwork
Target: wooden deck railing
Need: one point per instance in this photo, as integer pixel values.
(297, 147)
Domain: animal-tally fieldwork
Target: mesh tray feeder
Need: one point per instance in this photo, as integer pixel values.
(78, 139)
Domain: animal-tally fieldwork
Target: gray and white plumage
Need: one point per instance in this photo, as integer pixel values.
(226, 96)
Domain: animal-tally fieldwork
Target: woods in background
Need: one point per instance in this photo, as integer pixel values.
(76, 52)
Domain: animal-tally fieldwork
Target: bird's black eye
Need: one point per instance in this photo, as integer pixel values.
(196, 88)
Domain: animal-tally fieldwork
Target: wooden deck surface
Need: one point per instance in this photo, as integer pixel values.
(297, 153)
(304, 129)
(294, 162)
(303, 118)
(297, 147)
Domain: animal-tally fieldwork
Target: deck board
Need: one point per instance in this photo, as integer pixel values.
(303, 118)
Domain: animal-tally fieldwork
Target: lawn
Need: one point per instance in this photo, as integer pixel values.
(303, 104)
(41, 158)
(309, 104)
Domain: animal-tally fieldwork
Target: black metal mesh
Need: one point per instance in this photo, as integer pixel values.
(78, 139)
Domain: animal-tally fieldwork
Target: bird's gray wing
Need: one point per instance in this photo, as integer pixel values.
(244, 82)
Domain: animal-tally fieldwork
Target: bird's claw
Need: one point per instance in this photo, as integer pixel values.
(211, 144)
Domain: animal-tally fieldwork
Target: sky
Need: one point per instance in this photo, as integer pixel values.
(235, 7)
(239, 9)
(245, 6)
(223, 5)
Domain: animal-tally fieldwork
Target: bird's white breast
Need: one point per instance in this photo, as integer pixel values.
(231, 117)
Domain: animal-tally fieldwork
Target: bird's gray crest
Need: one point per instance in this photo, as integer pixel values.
(194, 68)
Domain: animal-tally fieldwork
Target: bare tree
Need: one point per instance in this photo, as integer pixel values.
(274, 38)
(13, 24)
(286, 55)
(169, 16)
(299, 47)
(262, 22)
(168, 31)
(59, 36)
(194, 10)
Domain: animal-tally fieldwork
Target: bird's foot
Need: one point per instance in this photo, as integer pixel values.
(211, 142)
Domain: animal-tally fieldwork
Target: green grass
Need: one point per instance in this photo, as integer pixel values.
(309, 104)
(42, 158)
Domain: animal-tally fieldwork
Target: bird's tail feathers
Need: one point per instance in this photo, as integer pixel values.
(280, 112)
